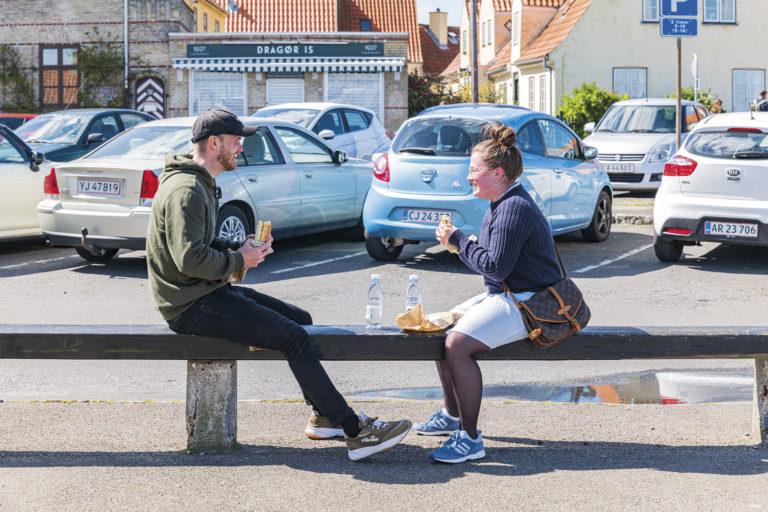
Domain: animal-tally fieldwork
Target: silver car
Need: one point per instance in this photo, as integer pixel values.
(101, 203)
(352, 129)
(634, 139)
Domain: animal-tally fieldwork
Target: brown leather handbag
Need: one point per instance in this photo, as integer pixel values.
(555, 313)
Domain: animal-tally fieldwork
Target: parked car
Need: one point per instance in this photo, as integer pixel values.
(21, 188)
(13, 121)
(286, 174)
(354, 130)
(69, 134)
(423, 176)
(715, 188)
(634, 139)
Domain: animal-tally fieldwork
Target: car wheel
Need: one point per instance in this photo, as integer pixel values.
(381, 249)
(600, 226)
(667, 250)
(89, 256)
(232, 223)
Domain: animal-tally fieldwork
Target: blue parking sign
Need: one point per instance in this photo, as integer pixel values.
(679, 8)
(679, 27)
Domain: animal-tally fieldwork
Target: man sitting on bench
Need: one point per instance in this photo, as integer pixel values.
(189, 276)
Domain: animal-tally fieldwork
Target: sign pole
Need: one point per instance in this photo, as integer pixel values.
(678, 109)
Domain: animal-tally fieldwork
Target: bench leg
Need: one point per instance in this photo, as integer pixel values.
(211, 405)
(761, 401)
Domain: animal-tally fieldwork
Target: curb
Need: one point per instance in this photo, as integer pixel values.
(632, 219)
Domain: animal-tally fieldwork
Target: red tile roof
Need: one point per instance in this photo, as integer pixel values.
(385, 16)
(283, 16)
(502, 6)
(556, 31)
(543, 3)
(436, 58)
(454, 65)
(502, 58)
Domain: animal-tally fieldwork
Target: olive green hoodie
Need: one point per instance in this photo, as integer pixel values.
(183, 258)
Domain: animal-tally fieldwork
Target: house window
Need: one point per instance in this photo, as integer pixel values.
(464, 42)
(630, 81)
(532, 92)
(482, 38)
(205, 22)
(216, 26)
(489, 34)
(719, 11)
(211, 89)
(747, 84)
(516, 29)
(651, 10)
(543, 93)
(59, 79)
(365, 25)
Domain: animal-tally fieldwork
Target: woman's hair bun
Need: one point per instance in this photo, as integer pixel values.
(501, 134)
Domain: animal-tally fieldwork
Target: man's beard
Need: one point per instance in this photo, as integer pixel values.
(226, 160)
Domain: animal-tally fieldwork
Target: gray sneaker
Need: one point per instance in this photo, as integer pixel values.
(376, 436)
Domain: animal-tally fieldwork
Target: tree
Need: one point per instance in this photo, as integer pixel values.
(16, 92)
(706, 97)
(587, 103)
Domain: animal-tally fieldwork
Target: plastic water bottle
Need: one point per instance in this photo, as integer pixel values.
(413, 293)
(373, 304)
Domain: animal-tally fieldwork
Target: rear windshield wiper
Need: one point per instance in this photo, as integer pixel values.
(750, 154)
(419, 151)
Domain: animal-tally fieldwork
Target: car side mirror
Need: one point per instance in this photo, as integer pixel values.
(326, 134)
(35, 159)
(589, 127)
(340, 157)
(590, 153)
(94, 138)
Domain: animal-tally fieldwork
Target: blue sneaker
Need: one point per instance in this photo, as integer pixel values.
(438, 424)
(459, 448)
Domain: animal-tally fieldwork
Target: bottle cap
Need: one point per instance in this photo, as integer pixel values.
(374, 277)
(413, 277)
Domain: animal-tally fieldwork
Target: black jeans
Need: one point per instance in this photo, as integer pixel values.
(241, 314)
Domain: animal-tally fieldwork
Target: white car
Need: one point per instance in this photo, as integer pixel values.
(22, 188)
(715, 188)
(634, 139)
(352, 129)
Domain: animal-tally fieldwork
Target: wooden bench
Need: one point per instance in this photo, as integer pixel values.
(212, 363)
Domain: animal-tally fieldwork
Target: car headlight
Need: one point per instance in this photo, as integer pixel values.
(661, 153)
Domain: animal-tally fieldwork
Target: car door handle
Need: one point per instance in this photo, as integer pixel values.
(308, 174)
(253, 179)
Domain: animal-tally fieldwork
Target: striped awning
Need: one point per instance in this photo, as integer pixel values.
(287, 65)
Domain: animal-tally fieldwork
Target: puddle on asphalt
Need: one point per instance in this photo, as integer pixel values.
(646, 388)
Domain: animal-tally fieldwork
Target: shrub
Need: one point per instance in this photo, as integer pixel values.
(16, 92)
(587, 103)
(706, 97)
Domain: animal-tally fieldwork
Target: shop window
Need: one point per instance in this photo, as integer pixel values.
(362, 89)
(719, 11)
(365, 25)
(747, 83)
(59, 79)
(284, 90)
(651, 10)
(630, 81)
(209, 89)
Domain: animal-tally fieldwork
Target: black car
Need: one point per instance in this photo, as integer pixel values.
(69, 134)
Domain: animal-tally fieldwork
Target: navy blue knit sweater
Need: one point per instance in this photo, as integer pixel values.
(515, 245)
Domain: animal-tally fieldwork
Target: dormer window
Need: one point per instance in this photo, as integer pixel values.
(365, 25)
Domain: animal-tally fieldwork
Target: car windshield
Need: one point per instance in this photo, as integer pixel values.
(300, 116)
(734, 143)
(62, 128)
(444, 136)
(638, 119)
(147, 143)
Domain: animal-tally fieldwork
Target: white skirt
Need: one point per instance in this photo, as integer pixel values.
(493, 319)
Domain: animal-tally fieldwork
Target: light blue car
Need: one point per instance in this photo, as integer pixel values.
(423, 176)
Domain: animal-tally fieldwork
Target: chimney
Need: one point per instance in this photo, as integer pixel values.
(438, 25)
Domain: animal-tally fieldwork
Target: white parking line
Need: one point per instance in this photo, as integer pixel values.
(318, 263)
(38, 262)
(608, 262)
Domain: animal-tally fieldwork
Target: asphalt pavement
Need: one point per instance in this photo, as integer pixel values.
(633, 208)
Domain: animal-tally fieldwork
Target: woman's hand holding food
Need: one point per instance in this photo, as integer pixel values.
(444, 231)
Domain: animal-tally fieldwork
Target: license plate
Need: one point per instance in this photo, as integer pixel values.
(106, 187)
(617, 167)
(730, 229)
(424, 216)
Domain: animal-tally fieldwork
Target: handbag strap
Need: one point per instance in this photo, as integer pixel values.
(562, 267)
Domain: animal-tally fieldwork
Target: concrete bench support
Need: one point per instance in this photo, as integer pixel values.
(211, 405)
(761, 401)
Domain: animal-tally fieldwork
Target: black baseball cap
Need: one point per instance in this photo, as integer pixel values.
(219, 122)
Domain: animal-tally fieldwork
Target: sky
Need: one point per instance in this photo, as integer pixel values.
(452, 7)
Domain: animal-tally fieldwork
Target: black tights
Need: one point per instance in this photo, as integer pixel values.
(462, 380)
